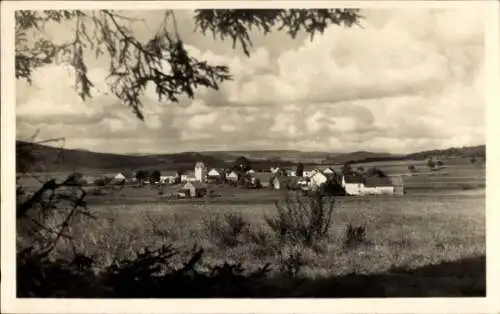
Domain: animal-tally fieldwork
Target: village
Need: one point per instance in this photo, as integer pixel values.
(195, 183)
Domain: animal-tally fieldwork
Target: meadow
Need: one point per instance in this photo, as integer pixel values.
(429, 242)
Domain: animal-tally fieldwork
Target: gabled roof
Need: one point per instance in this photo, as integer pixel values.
(350, 178)
(377, 181)
(328, 170)
(214, 171)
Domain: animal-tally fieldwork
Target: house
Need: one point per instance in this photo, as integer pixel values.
(129, 175)
(200, 171)
(352, 184)
(118, 178)
(398, 183)
(329, 171)
(193, 189)
(232, 176)
(274, 170)
(317, 179)
(290, 173)
(213, 173)
(188, 176)
(251, 172)
(169, 179)
(375, 185)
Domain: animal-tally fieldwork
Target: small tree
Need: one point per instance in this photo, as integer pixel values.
(375, 172)
(141, 176)
(306, 219)
(242, 164)
(411, 168)
(299, 172)
(154, 176)
(431, 164)
(472, 160)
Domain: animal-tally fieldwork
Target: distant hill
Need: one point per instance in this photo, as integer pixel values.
(362, 156)
(464, 152)
(48, 158)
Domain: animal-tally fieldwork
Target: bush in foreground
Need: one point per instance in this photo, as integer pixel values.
(303, 219)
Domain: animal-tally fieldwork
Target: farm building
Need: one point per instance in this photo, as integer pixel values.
(213, 173)
(316, 179)
(232, 176)
(377, 186)
(169, 177)
(188, 176)
(352, 184)
(251, 172)
(274, 170)
(193, 189)
(216, 175)
(118, 178)
(200, 171)
(398, 183)
(329, 171)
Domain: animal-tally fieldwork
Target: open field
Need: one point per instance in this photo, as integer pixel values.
(405, 236)
(429, 242)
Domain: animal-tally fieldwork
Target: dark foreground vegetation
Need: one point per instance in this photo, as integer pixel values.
(142, 278)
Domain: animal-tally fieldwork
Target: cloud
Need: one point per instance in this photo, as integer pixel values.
(409, 80)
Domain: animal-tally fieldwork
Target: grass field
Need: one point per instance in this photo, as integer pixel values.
(430, 242)
(405, 236)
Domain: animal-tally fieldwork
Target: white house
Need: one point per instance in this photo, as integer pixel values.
(168, 179)
(200, 171)
(352, 184)
(213, 173)
(233, 176)
(118, 178)
(251, 172)
(377, 186)
(329, 171)
(188, 176)
(317, 179)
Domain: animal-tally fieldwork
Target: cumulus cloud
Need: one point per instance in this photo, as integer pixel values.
(408, 80)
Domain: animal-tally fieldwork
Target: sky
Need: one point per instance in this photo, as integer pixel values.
(408, 80)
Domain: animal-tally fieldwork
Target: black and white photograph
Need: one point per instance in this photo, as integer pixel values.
(197, 151)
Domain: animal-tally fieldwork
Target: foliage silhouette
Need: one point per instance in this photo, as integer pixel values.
(162, 61)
